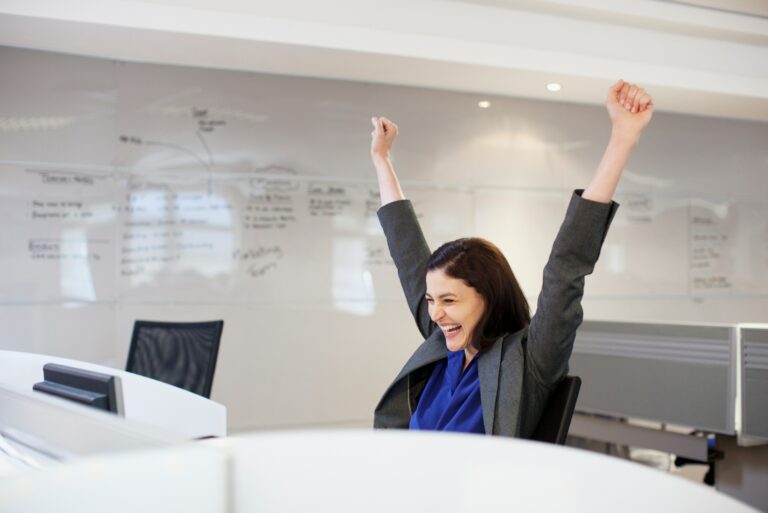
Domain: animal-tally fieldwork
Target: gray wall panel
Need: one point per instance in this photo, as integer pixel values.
(688, 394)
(754, 399)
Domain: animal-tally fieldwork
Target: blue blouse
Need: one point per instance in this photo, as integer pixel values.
(451, 398)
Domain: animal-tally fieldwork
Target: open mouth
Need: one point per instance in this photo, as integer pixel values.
(451, 328)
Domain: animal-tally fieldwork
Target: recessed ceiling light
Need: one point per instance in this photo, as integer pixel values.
(483, 104)
(553, 86)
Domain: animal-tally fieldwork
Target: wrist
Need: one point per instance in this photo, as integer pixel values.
(624, 139)
(379, 157)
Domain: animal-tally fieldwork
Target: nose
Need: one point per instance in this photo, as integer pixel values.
(436, 313)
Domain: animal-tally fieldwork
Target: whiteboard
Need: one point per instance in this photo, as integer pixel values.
(143, 191)
(77, 235)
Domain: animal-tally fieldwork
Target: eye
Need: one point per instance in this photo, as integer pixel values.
(448, 301)
(430, 300)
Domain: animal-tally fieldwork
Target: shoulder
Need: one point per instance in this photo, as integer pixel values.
(517, 336)
(513, 342)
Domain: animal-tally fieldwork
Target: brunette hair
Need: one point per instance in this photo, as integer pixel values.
(482, 266)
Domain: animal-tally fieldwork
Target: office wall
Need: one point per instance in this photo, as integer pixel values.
(144, 191)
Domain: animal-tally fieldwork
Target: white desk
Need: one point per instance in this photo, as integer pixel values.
(187, 479)
(145, 401)
(39, 430)
(361, 471)
(411, 471)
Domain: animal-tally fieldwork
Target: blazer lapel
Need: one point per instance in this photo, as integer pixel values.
(429, 351)
(488, 368)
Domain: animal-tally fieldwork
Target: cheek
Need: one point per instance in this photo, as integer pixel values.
(460, 315)
(476, 314)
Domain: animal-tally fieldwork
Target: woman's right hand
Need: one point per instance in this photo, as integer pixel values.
(382, 137)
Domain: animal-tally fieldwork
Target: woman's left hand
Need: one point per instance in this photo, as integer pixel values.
(382, 137)
(630, 108)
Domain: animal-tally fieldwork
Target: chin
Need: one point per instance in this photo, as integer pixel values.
(455, 346)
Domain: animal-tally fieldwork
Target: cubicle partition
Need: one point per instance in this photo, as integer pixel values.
(754, 383)
(709, 381)
(711, 378)
(669, 373)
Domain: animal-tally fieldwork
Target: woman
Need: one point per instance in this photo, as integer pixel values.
(486, 366)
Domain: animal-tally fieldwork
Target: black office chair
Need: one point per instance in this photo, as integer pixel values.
(556, 418)
(182, 354)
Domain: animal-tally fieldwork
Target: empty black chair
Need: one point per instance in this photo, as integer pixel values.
(556, 418)
(182, 354)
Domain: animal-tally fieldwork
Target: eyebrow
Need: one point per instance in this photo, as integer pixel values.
(441, 296)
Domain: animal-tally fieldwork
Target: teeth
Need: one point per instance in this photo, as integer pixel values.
(452, 327)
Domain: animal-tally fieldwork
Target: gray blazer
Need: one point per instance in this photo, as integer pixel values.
(518, 372)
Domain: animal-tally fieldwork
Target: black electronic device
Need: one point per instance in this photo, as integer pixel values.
(83, 386)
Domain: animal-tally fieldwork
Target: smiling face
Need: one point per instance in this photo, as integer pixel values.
(455, 307)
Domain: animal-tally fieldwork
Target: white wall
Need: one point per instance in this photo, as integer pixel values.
(318, 340)
(697, 60)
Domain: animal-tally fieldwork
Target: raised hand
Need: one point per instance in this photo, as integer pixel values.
(630, 108)
(382, 137)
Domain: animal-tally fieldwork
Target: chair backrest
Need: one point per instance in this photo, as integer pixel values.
(556, 418)
(182, 354)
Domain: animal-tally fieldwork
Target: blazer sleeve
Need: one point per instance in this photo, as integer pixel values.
(558, 311)
(410, 252)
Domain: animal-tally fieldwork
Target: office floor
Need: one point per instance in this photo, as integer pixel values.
(656, 459)
(665, 461)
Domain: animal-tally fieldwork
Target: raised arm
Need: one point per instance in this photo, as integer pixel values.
(405, 239)
(382, 137)
(577, 245)
(630, 108)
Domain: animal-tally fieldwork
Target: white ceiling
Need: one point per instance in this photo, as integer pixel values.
(694, 59)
